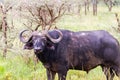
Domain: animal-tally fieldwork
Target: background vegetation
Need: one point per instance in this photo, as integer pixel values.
(20, 64)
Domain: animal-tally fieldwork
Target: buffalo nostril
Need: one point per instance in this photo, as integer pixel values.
(37, 50)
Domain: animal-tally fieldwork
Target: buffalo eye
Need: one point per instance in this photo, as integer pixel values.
(50, 46)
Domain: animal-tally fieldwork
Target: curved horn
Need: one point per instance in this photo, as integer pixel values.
(55, 40)
(21, 37)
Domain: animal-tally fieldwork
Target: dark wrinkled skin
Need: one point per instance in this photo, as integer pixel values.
(77, 50)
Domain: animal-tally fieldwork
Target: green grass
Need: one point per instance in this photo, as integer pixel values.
(16, 67)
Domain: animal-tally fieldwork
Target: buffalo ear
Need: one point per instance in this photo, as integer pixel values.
(29, 44)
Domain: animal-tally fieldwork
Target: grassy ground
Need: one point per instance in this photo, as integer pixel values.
(17, 67)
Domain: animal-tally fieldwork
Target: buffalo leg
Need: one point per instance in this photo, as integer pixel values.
(117, 71)
(109, 73)
(62, 76)
(50, 75)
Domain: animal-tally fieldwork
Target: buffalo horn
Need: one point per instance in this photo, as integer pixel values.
(55, 40)
(21, 37)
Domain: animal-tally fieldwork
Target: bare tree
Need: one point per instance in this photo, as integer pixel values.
(85, 7)
(79, 8)
(109, 4)
(94, 2)
(44, 15)
(4, 9)
(69, 8)
(118, 22)
(86, 2)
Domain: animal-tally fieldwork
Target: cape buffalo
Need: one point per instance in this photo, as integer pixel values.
(61, 50)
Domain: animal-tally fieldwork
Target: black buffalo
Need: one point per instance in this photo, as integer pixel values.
(61, 50)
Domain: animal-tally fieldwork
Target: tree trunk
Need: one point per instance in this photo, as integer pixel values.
(87, 5)
(79, 8)
(4, 29)
(85, 8)
(69, 8)
(111, 5)
(94, 7)
(118, 21)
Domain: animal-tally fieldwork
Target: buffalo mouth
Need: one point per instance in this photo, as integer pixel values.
(37, 51)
